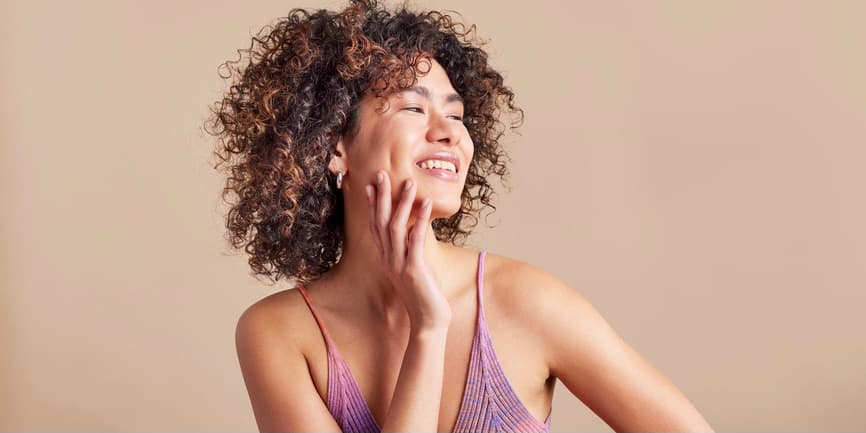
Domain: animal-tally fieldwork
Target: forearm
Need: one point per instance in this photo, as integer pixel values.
(417, 394)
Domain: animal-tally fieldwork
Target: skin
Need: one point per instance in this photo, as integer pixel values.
(543, 330)
(389, 144)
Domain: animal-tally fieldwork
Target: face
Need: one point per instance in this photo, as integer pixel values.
(417, 125)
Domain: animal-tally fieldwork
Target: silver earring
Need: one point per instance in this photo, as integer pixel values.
(339, 179)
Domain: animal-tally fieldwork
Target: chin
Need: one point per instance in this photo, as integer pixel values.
(443, 210)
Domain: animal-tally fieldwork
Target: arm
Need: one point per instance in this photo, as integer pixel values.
(602, 370)
(418, 392)
(278, 382)
(284, 397)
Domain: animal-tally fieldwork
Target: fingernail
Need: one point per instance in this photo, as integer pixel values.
(369, 191)
(380, 178)
(408, 185)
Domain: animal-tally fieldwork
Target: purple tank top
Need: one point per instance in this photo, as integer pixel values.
(489, 403)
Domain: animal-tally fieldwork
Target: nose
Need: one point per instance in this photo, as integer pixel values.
(444, 129)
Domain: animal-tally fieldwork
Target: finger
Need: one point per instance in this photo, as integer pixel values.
(419, 232)
(371, 221)
(383, 213)
(397, 226)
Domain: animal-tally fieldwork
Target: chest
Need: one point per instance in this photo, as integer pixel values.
(375, 357)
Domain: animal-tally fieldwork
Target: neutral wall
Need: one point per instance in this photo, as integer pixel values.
(696, 169)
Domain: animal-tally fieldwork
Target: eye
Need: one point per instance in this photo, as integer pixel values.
(421, 110)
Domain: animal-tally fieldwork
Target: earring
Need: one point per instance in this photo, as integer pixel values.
(339, 179)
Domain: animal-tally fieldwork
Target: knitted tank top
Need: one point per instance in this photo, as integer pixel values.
(489, 403)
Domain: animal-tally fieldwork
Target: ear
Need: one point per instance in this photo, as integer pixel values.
(338, 161)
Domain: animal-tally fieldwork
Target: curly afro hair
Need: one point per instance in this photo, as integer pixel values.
(279, 121)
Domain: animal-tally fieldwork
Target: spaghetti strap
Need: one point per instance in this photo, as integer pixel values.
(315, 314)
(480, 285)
(488, 402)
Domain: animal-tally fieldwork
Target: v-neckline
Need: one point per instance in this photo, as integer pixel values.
(472, 354)
(460, 410)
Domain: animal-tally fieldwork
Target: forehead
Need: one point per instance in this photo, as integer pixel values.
(432, 84)
(432, 80)
(447, 95)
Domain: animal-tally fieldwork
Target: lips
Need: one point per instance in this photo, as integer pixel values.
(442, 156)
(441, 173)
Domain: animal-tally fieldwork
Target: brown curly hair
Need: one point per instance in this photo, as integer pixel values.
(280, 119)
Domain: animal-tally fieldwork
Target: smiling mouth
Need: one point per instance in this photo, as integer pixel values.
(447, 166)
(440, 173)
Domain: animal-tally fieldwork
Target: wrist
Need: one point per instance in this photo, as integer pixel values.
(429, 332)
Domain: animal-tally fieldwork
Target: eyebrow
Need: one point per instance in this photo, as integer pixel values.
(425, 92)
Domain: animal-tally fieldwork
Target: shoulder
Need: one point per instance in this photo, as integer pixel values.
(275, 370)
(524, 286)
(589, 357)
(273, 321)
(547, 306)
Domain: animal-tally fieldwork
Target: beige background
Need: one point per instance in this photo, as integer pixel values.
(696, 169)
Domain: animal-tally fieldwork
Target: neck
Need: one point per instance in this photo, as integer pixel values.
(360, 276)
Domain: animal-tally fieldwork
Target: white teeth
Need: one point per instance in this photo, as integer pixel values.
(435, 163)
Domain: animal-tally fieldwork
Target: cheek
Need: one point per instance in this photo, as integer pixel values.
(469, 149)
(378, 146)
(397, 142)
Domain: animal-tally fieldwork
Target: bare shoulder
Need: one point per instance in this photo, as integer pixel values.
(274, 368)
(557, 314)
(589, 357)
(527, 289)
(540, 300)
(522, 280)
(276, 317)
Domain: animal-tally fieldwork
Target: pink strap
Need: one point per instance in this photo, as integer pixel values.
(316, 315)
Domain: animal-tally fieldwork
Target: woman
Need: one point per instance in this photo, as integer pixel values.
(358, 142)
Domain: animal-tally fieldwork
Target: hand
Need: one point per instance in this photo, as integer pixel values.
(402, 258)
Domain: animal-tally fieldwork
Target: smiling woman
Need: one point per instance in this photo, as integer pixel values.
(358, 146)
